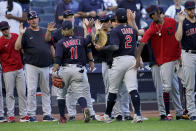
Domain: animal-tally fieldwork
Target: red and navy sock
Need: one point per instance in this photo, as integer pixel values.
(136, 101)
(166, 101)
(61, 105)
(82, 102)
(110, 103)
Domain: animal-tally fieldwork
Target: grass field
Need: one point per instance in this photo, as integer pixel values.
(153, 124)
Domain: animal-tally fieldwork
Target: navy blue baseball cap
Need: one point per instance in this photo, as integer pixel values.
(104, 18)
(161, 10)
(67, 13)
(32, 15)
(121, 14)
(151, 9)
(4, 25)
(189, 5)
(66, 25)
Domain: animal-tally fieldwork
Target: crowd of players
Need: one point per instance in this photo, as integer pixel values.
(113, 38)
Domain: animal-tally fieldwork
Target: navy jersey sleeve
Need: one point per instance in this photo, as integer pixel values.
(59, 52)
(87, 40)
(114, 38)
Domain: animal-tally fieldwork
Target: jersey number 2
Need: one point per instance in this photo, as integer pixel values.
(128, 41)
(74, 53)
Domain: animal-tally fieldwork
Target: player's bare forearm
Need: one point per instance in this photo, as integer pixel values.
(48, 36)
(18, 42)
(60, 17)
(55, 67)
(52, 52)
(138, 53)
(179, 32)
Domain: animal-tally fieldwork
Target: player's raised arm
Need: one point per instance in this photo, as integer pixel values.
(49, 30)
(131, 21)
(18, 44)
(179, 31)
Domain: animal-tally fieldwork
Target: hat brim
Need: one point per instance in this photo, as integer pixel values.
(5, 27)
(67, 15)
(32, 17)
(188, 8)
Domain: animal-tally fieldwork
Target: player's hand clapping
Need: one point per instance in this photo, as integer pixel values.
(51, 27)
(22, 30)
(181, 16)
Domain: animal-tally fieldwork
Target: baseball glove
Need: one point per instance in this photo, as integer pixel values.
(100, 38)
(58, 82)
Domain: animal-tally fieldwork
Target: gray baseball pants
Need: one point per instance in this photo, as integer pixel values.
(33, 75)
(16, 79)
(1, 97)
(71, 98)
(121, 106)
(189, 69)
(174, 92)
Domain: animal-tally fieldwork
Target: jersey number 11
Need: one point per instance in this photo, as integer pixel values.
(74, 53)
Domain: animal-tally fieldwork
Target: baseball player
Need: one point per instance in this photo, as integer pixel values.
(123, 43)
(71, 98)
(165, 112)
(37, 59)
(70, 53)
(163, 98)
(13, 73)
(2, 118)
(162, 31)
(186, 34)
(121, 107)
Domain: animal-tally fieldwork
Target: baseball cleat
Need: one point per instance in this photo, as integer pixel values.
(128, 118)
(32, 119)
(193, 118)
(86, 115)
(62, 120)
(105, 118)
(48, 118)
(99, 117)
(119, 118)
(169, 117)
(24, 119)
(11, 119)
(137, 119)
(72, 118)
(182, 117)
(2, 119)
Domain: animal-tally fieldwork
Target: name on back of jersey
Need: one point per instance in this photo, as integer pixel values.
(72, 42)
(127, 31)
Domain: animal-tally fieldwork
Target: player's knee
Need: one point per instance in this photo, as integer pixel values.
(82, 102)
(134, 95)
(112, 97)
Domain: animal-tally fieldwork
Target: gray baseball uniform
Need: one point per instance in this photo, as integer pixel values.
(37, 59)
(121, 106)
(159, 89)
(71, 98)
(1, 96)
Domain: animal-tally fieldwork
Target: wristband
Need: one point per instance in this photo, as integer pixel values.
(91, 60)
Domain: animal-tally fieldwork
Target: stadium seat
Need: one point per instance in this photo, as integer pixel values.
(49, 9)
(46, 17)
(146, 3)
(41, 3)
(166, 2)
(38, 10)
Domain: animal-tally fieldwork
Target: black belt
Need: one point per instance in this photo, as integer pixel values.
(69, 65)
(191, 51)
